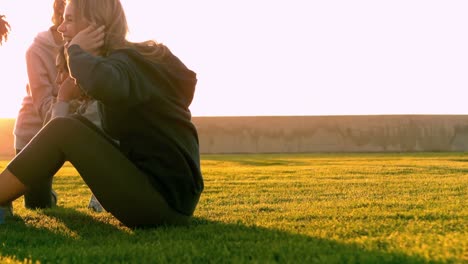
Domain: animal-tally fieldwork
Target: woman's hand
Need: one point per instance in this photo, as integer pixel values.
(90, 39)
(68, 90)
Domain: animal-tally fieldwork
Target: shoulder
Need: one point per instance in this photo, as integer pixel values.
(130, 57)
(44, 39)
(126, 54)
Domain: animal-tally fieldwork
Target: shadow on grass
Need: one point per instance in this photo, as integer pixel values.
(258, 160)
(90, 240)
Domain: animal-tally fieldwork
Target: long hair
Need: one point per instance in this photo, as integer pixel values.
(57, 16)
(110, 13)
(4, 29)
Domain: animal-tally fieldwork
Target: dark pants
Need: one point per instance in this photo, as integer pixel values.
(39, 195)
(123, 190)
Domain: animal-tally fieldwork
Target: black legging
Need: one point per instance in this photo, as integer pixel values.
(121, 188)
(39, 195)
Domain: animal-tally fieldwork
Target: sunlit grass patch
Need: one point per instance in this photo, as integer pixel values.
(357, 208)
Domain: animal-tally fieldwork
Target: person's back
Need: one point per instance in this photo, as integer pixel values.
(154, 124)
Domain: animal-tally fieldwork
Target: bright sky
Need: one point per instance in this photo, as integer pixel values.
(296, 57)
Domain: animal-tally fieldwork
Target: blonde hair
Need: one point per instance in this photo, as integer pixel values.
(4, 29)
(110, 13)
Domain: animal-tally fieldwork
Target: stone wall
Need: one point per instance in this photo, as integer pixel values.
(296, 134)
(6, 138)
(300, 134)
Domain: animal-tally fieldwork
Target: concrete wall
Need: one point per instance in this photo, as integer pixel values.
(292, 134)
(295, 134)
(6, 138)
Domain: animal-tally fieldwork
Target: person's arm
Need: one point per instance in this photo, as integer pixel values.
(113, 80)
(68, 92)
(60, 109)
(40, 85)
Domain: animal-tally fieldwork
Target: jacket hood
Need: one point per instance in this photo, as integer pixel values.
(46, 40)
(183, 76)
(172, 71)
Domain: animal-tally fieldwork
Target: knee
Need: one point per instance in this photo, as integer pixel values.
(59, 121)
(61, 125)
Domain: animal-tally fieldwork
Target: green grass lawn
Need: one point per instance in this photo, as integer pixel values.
(311, 208)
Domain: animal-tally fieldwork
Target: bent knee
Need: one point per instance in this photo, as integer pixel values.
(66, 125)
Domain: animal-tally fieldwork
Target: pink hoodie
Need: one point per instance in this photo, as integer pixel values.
(40, 104)
(41, 89)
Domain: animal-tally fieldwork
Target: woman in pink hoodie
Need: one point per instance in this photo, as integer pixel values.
(40, 103)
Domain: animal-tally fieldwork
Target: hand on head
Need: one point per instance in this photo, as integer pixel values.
(90, 39)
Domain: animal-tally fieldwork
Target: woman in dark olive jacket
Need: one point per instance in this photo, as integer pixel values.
(152, 177)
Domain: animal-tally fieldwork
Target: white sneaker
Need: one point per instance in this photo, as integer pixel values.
(95, 205)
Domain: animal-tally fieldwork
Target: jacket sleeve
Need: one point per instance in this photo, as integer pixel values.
(40, 86)
(110, 80)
